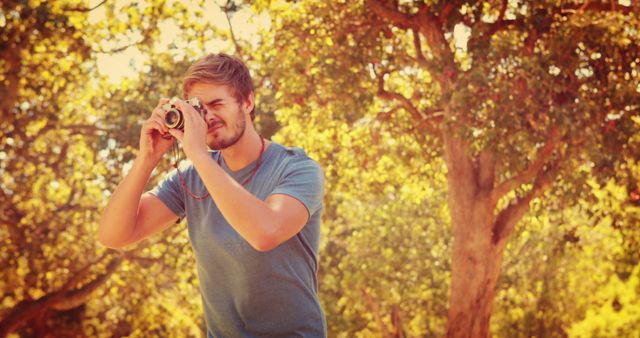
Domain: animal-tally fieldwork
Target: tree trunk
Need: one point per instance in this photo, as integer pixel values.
(477, 256)
(475, 271)
(480, 230)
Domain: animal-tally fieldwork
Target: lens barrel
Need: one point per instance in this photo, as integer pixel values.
(174, 119)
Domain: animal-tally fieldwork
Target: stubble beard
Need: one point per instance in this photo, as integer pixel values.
(223, 143)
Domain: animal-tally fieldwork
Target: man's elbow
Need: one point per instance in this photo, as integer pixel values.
(107, 240)
(272, 236)
(265, 243)
(111, 244)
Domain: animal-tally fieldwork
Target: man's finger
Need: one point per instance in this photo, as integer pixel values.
(186, 108)
(162, 102)
(159, 112)
(160, 121)
(153, 124)
(178, 134)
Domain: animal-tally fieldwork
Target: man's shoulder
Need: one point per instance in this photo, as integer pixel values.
(289, 155)
(185, 167)
(288, 150)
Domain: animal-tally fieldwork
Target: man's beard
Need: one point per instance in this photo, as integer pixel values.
(240, 126)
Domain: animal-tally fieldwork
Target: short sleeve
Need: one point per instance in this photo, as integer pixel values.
(304, 181)
(171, 193)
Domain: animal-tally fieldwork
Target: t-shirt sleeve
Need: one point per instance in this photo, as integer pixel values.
(304, 181)
(171, 193)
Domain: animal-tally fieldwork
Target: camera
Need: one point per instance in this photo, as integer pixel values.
(174, 119)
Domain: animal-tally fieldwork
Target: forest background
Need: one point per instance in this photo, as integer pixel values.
(481, 160)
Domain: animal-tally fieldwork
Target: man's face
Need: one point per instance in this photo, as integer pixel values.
(226, 118)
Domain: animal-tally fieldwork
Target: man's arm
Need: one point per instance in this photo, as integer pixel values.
(264, 224)
(130, 216)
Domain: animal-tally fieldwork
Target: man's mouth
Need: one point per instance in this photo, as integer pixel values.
(215, 127)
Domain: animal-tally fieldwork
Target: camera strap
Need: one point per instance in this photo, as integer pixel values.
(176, 158)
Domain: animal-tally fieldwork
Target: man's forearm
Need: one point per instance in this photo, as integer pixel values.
(251, 217)
(119, 217)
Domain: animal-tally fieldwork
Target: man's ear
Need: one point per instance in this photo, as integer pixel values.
(249, 103)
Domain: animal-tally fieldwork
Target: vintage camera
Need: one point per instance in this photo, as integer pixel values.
(174, 119)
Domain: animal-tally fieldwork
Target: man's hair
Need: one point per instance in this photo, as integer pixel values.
(222, 69)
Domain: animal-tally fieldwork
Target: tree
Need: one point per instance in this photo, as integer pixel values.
(537, 90)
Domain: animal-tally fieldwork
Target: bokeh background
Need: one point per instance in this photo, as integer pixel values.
(481, 160)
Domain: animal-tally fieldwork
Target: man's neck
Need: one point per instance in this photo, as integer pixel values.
(245, 151)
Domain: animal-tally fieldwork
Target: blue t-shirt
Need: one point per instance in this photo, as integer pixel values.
(245, 292)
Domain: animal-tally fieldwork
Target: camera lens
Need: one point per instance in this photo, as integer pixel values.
(173, 119)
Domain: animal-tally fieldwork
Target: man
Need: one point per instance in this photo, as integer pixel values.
(253, 208)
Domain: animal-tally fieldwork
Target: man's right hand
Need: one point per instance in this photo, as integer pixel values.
(155, 139)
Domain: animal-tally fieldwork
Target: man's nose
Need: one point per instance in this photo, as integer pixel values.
(208, 116)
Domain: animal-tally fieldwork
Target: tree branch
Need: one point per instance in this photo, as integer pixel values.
(226, 9)
(79, 296)
(386, 95)
(503, 9)
(61, 158)
(595, 7)
(446, 10)
(430, 27)
(374, 307)
(482, 35)
(508, 218)
(386, 116)
(396, 321)
(425, 121)
(418, 46)
(449, 7)
(84, 9)
(28, 309)
(85, 128)
(573, 9)
(144, 261)
(530, 42)
(431, 121)
(397, 18)
(146, 37)
(528, 174)
(117, 49)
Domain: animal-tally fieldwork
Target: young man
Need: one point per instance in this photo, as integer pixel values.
(256, 233)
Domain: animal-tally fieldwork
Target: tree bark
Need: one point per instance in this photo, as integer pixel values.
(475, 272)
(476, 256)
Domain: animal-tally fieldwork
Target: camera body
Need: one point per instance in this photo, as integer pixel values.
(174, 118)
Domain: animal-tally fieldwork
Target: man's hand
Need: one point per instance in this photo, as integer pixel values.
(152, 143)
(194, 136)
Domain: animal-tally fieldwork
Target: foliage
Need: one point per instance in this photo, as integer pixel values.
(328, 77)
(617, 316)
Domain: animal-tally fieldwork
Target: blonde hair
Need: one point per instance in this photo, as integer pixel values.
(222, 69)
